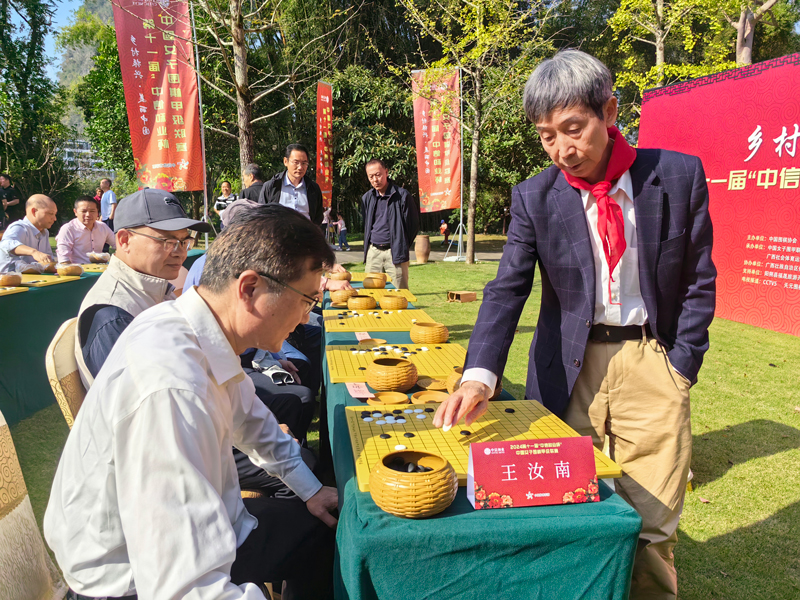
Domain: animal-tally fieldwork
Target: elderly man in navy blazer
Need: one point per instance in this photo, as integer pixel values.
(623, 240)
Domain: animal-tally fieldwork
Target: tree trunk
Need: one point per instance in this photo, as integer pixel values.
(745, 32)
(244, 108)
(660, 36)
(473, 167)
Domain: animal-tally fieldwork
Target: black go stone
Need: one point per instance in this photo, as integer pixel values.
(351, 349)
(387, 414)
(510, 410)
(428, 410)
(411, 467)
(365, 368)
(397, 461)
(366, 413)
(465, 432)
(385, 436)
(408, 434)
(438, 347)
(398, 412)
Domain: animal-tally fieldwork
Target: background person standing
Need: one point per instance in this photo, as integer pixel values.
(391, 222)
(293, 188)
(108, 205)
(12, 208)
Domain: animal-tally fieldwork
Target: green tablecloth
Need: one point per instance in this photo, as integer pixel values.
(29, 322)
(543, 553)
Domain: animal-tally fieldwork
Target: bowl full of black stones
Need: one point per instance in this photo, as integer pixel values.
(413, 483)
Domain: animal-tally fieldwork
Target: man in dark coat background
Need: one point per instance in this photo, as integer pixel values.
(391, 222)
(623, 240)
(293, 187)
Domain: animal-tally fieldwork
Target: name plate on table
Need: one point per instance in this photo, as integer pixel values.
(532, 473)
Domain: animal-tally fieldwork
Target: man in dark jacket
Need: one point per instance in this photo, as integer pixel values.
(391, 222)
(293, 188)
(253, 181)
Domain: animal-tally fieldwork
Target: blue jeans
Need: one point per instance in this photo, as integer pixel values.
(343, 240)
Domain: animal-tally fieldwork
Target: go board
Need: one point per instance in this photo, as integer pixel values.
(373, 319)
(349, 363)
(95, 267)
(378, 294)
(528, 421)
(34, 280)
(7, 291)
(360, 276)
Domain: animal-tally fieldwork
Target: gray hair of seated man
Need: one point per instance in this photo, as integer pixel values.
(254, 170)
(266, 238)
(571, 78)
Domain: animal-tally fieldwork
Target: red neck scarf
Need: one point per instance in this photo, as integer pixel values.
(610, 224)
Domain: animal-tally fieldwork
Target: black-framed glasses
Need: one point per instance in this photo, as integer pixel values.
(313, 301)
(170, 245)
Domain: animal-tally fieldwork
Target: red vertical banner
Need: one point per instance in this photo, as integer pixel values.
(157, 62)
(324, 147)
(437, 120)
(744, 124)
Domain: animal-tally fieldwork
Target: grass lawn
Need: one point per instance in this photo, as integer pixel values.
(740, 532)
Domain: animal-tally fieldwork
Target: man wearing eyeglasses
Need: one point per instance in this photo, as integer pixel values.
(293, 188)
(153, 237)
(145, 502)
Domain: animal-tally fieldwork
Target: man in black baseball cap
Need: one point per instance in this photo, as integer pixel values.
(153, 237)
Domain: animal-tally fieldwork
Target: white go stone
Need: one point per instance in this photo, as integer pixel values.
(424, 349)
(381, 422)
(390, 419)
(377, 415)
(409, 410)
(368, 419)
(419, 410)
(399, 447)
(422, 416)
(401, 420)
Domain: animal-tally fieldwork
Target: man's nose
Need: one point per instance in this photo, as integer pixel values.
(565, 146)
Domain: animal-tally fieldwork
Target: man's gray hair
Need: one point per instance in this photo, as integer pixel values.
(570, 78)
(254, 170)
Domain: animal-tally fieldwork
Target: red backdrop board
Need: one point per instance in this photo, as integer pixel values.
(744, 124)
(437, 119)
(324, 147)
(157, 62)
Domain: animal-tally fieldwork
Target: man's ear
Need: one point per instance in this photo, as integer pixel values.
(610, 111)
(246, 286)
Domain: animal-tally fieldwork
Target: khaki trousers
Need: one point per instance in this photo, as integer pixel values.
(629, 392)
(380, 261)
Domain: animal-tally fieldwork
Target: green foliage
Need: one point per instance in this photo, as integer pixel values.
(31, 105)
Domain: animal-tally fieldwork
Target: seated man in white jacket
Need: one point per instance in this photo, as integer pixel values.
(146, 500)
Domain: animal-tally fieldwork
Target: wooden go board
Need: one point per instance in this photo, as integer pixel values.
(7, 291)
(95, 267)
(378, 294)
(360, 277)
(34, 280)
(373, 319)
(349, 363)
(529, 421)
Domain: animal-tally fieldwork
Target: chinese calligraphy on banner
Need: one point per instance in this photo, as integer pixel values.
(532, 473)
(157, 62)
(324, 147)
(437, 119)
(744, 124)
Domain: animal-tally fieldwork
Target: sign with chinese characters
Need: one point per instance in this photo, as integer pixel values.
(437, 121)
(157, 62)
(532, 473)
(744, 124)
(324, 146)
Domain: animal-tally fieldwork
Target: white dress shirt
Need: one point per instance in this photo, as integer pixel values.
(22, 233)
(617, 301)
(295, 197)
(146, 497)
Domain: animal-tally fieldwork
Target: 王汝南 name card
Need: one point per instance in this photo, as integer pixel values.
(532, 473)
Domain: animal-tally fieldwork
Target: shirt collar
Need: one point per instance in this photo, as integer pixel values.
(80, 225)
(33, 228)
(288, 183)
(222, 361)
(155, 287)
(624, 183)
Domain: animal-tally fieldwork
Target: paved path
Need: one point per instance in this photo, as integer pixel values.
(356, 254)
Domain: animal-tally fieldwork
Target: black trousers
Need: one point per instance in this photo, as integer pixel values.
(292, 404)
(290, 545)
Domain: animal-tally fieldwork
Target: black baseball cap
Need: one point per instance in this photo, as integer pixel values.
(157, 209)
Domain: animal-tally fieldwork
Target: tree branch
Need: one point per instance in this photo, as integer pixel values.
(280, 110)
(221, 131)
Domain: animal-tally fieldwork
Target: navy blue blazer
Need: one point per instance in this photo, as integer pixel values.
(548, 226)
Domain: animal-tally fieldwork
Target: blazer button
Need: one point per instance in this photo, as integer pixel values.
(588, 323)
(577, 362)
